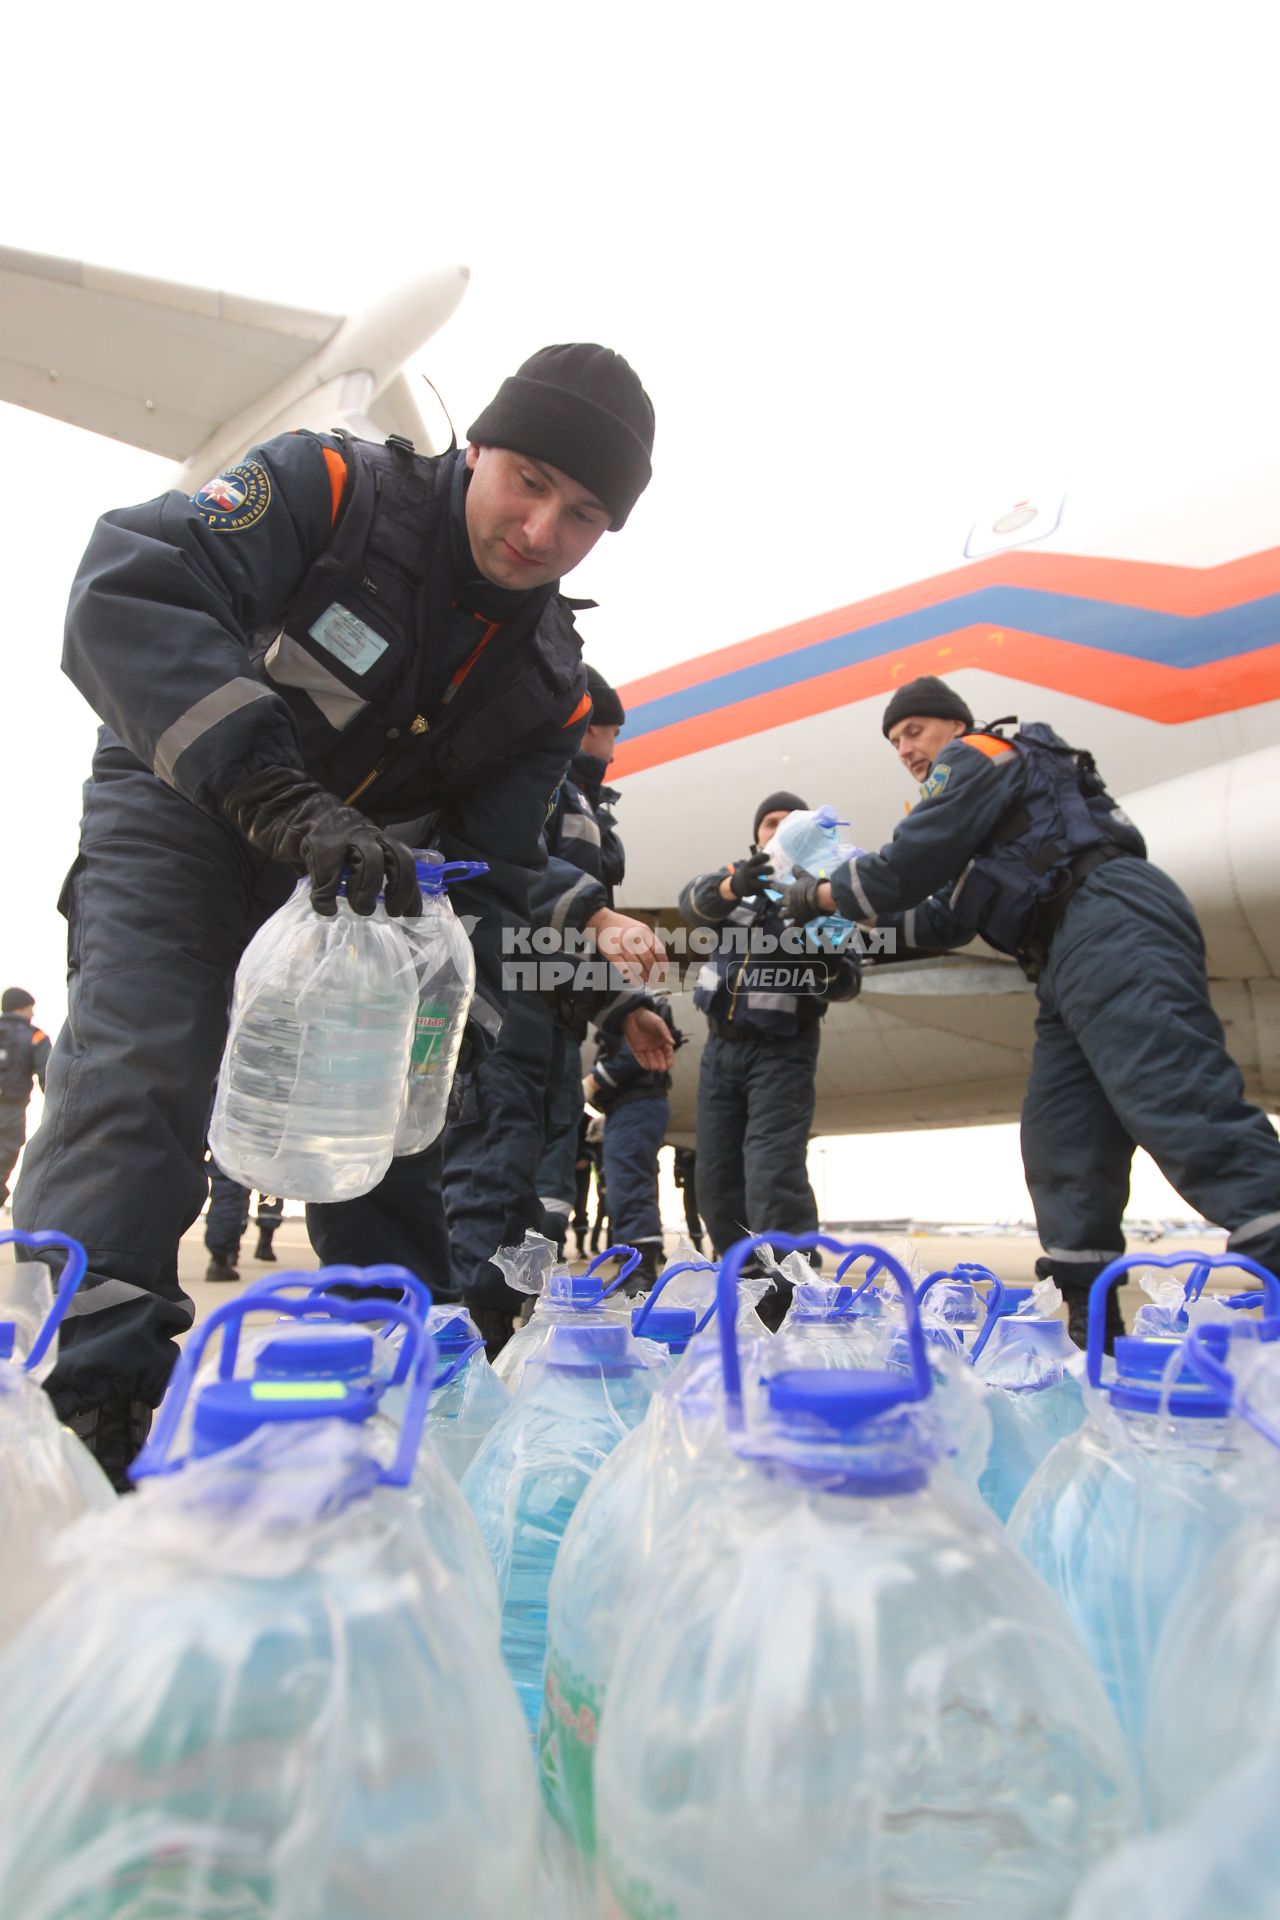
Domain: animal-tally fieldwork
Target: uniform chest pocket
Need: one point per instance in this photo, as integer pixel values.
(342, 645)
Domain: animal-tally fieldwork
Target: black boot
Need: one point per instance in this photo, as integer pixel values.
(115, 1434)
(263, 1249)
(221, 1268)
(647, 1272)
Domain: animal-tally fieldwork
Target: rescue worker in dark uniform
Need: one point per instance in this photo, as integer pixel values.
(583, 828)
(24, 1055)
(764, 1007)
(227, 1218)
(493, 1152)
(636, 1107)
(329, 639)
(1018, 840)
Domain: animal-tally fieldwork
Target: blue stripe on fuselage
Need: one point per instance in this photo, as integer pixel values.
(1166, 639)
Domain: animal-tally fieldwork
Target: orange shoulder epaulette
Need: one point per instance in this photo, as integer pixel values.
(986, 743)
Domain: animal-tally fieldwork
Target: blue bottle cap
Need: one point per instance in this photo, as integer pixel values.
(228, 1411)
(8, 1335)
(1139, 1382)
(301, 1352)
(605, 1348)
(830, 1407)
(453, 1334)
(674, 1327)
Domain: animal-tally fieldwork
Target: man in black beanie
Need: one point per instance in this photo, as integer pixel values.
(1017, 839)
(764, 1005)
(334, 652)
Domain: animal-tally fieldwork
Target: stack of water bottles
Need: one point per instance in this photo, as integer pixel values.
(261, 1691)
(344, 1035)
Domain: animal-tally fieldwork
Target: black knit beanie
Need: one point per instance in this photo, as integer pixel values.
(774, 804)
(582, 409)
(606, 708)
(929, 698)
(15, 998)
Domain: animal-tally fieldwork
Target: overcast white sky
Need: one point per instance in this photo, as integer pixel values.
(877, 264)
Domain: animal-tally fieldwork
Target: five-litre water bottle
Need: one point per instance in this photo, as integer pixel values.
(313, 1076)
(468, 1398)
(1223, 1864)
(1124, 1511)
(446, 971)
(559, 1297)
(585, 1392)
(263, 1696)
(607, 1581)
(1030, 1367)
(1215, 1689)
(811, 841)
(48, 1478)
(851, 1692)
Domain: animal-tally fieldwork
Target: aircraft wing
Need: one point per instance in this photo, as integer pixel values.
(150, 362)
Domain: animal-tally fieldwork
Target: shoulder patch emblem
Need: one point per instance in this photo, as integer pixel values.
(236, 500)
(937, 780)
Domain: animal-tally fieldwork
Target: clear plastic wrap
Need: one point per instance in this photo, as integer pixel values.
(468, 1398)
(1129, 1508)
(1032, 1372)
(854, 1697)
(1215, 1688)
(560, 1298)
(313, 1077)
(262, 1697)
(607, 1580)
(1224, 1864)
(48, 1478)
(582, 1396)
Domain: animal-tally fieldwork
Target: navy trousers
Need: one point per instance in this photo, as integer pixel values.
(493, 1153)
(755, 1110)
(633, 1133)
(1129, 1051)
(13, 1131)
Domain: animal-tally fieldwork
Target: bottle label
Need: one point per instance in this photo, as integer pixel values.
(429, 1035)
(567, 1751)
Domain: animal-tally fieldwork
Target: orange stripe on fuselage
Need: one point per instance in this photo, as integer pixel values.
(1189, 591)
(1170, 695)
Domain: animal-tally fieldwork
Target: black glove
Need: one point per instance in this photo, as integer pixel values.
(287, 816)
(800, 902)
(750, 877)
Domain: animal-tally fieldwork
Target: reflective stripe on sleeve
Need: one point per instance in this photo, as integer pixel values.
(1264, 1223)
(200, 719)
(566, 900)
(859, 894)
(580, 826)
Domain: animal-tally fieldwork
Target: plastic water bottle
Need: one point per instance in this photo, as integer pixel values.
(1126, 1509)
(1029, 1365)
(262, 1696)
(1224, 1864)
(48, 1478)
(446, 971)
(650, 1484)
(588, 1389)
(828, 1325)
(1215, 1690)
(810, 840)
(849, 1684)
(561, 1298)
(313, 1076)
(468, 1398)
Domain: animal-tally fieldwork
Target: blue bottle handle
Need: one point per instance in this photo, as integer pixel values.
(1201, 1358)
(418, 1358)
(630, 1258)
(681, 1266)
(448, 873)
(846, 1306)
(1118, 1268)
(317, 1282)
(72, 1274)
(456, 1365)
(727, 1296)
